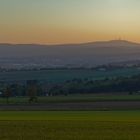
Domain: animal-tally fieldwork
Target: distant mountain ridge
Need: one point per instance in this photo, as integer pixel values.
(113, 43)
(68, 55)
(100, 43)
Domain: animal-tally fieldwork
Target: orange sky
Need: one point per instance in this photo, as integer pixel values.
(68, 21)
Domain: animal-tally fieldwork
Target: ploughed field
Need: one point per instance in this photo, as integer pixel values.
(70, 125)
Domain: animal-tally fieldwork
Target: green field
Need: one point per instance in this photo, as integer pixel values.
(70, 125)
(57, 76)
(128, 116)
(75, 98)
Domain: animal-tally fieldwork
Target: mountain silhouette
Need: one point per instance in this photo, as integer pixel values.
(83, 54)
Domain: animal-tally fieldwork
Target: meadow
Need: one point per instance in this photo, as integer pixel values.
(78, 102)
(70, 125)
(75, 98)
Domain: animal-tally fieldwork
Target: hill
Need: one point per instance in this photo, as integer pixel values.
(68, 55)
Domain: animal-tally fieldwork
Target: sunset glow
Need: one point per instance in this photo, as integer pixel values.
(68, 21)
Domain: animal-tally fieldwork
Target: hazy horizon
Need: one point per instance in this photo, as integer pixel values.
(72, 43)
(68, 22)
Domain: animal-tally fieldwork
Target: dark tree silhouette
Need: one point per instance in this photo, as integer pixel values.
(32, 90)
(7, 94)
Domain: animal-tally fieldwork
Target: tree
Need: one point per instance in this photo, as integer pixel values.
(7, 94)
(32, 93)
(32, 90)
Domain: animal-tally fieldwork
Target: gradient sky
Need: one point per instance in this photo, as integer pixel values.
(68, 21)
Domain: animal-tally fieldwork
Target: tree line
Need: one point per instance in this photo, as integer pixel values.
(33, 88)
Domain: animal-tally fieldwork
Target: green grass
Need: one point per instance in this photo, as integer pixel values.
(71, 115)
(70, 125)
(75, 98)
(69, 130)
(90, 98)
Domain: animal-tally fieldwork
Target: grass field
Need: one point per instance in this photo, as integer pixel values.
(75, 98)
(132, 116)
(69, 130)
(70, 125)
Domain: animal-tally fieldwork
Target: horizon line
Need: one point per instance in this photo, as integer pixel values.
(78, 43)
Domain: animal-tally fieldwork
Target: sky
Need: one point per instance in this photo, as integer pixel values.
(68, 21)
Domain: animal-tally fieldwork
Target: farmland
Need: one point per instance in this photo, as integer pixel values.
(85, 102)
(103, 116)
(85, 116)
(70, 125)
(76, 98)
